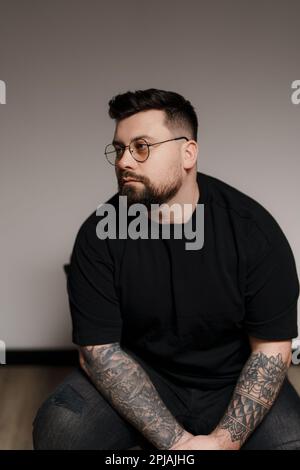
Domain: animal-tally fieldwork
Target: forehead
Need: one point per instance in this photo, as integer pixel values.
(145, 124)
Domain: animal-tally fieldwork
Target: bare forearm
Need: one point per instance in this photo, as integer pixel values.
(254, 394)
(129, 389)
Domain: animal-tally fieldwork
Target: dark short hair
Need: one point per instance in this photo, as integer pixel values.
(178, 111)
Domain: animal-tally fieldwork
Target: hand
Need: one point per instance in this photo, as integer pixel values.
(184, 437)
(199, 442)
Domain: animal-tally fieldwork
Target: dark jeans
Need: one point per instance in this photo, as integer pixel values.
(77, 416)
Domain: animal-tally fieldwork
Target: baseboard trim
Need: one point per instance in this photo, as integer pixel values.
(55, 357)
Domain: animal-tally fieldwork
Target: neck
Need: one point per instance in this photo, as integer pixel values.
(185, 199)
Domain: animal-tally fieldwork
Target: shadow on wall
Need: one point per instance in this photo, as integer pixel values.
(67, 269)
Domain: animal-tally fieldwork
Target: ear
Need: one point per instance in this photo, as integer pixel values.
(190, 154)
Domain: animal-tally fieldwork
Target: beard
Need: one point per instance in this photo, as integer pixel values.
(147, 193)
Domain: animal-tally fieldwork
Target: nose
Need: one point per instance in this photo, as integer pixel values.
(127, 160)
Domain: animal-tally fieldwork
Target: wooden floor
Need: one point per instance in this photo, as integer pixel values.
(24, 388)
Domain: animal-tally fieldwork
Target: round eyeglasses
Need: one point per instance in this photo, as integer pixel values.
(139, 149)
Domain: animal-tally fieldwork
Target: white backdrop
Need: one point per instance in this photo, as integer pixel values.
(62, 60)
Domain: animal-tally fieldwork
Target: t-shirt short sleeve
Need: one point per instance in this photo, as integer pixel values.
(93, 301)
(272, 285)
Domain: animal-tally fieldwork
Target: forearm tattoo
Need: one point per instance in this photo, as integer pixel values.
(254, 394)
(129, 389)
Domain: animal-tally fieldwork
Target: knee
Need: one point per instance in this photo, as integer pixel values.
(57, 423)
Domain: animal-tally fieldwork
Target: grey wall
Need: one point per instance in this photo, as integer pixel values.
(62, 60)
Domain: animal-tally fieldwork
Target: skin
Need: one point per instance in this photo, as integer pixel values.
(125, 384)
(169, 176)
(256, 391)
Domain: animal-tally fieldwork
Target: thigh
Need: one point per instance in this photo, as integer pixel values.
(77, 416)
(280, 429)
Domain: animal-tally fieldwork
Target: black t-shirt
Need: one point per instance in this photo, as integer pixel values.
(188, 313)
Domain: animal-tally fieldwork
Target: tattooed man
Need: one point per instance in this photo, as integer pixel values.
(178, 348)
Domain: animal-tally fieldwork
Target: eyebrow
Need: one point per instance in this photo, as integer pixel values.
(137, 137)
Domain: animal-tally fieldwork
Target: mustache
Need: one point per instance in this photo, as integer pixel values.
(129, 175)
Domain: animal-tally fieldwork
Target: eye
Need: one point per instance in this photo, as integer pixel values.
(140, 146)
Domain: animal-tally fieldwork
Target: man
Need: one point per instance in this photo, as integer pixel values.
(178, 349)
